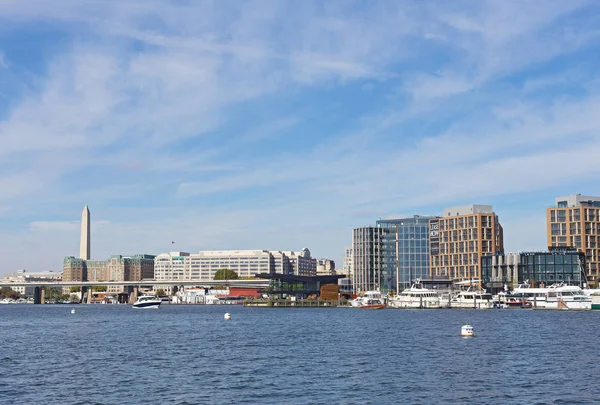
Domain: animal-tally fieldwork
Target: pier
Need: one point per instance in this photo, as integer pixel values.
(284, 303)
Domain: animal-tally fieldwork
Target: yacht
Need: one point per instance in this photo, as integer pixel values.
(147, 301)
(416, 297)
(562, 296)
(472, 299)
(369, 295)
(535, 295)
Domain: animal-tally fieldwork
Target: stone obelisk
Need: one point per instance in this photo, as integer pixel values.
(84, 246)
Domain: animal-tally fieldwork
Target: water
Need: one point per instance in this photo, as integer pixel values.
(107, 354)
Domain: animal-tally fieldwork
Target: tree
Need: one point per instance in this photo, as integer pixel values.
(99, 288)
(75, 289)
(160, 291)
(7, 292)
(225, 274)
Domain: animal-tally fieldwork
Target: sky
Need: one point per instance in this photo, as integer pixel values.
(270, 124)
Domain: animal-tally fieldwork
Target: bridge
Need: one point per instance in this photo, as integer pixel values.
(141, 283)
(40, 286)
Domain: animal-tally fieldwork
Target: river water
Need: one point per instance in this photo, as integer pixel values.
(113, 354)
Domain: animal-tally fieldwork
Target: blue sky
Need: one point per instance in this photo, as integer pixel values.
(284, 124)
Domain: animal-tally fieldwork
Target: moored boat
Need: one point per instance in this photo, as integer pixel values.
(369, 295)
(562, 296)
(472, 299)
(416, 297)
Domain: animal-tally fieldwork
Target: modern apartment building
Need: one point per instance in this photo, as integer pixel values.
(574, 222)
(366, 250)
(539, 269)
(404, 251)
(391, 254)
(460, 238)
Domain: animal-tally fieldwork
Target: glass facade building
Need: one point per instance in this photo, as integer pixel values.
(410, 246)
(539, 268)
(378, 251)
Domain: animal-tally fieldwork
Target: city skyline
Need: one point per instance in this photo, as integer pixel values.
(289, 124)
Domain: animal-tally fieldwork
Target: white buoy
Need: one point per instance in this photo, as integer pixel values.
(227, 316)
(73, 310)
(466, 330)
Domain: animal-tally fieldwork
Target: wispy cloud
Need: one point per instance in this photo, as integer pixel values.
(219, 127)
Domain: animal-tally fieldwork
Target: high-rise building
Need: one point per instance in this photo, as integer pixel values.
(460, 238)
(366, 251)
(392, 254)
(348, 262)
(574, 221)
(404, 251)
(85, 242)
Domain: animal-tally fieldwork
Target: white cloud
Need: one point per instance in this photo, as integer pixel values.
(147, 109)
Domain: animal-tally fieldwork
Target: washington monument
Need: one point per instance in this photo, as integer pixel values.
(84, 246)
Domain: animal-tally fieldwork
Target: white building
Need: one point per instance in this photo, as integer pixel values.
(21, 276)
(301, 263)
(348, 262)
(325, 267)
(203, 265)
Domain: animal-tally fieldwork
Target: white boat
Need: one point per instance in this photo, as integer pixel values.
(147, 301)
(369, 295)
(535, 295)
(562, 296)
(472, 299)
(416, 297)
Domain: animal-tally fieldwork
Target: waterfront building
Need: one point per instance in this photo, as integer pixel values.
(348, 262)
(574, 222)
(404, 251)
(366, 250)
(21, 276)
(117, 268)
(540, 269)
(74, 269)
(203, 265)
(390, 255)
(460, 238)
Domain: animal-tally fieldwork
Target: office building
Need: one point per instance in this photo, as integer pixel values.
(22, 276)
(117, 268)
(203, 265)
(460, 238)
(539, 269)
(574, 222)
